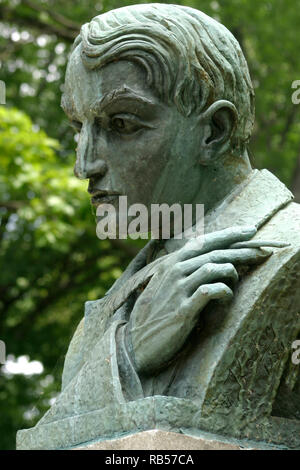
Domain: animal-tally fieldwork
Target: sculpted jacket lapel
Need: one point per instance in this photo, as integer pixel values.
(254, 202)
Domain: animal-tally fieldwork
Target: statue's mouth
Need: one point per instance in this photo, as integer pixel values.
(103, 197)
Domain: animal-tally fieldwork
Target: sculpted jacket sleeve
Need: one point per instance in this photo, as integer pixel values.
(156, 330)
(153, 328)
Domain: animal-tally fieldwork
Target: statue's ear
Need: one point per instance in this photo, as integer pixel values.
(218, 123)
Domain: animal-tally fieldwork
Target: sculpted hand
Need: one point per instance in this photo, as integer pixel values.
(168, 309)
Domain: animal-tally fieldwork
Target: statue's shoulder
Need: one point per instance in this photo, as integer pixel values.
(291, 210)
(284, 226)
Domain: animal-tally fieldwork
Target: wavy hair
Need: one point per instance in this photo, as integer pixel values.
(190, 59)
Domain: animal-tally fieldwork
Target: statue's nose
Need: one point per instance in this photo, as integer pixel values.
(88, 163)
(89, 169)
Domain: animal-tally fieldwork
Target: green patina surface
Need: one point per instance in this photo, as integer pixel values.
(191, 338)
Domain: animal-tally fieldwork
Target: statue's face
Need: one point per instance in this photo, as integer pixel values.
(131, 143)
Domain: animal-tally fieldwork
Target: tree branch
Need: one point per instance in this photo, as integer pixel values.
(36, 23)
(70, 24)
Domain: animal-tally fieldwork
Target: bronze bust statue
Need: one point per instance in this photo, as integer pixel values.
(190, 338)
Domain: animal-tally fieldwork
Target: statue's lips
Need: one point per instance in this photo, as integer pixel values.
(103, 197)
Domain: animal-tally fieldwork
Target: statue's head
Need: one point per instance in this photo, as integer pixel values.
(163, 100)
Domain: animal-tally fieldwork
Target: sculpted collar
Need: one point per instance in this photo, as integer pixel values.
(254, 202)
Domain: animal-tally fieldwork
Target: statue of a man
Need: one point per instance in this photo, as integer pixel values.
(191, 337)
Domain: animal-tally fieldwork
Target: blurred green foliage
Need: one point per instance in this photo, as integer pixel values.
(51, 260)
(51, 263)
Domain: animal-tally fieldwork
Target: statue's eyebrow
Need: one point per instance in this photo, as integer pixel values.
(115, 95)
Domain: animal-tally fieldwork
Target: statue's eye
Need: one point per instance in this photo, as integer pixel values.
(119, 123)
(125, 124)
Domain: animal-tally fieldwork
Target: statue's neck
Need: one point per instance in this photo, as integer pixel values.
(218, 181)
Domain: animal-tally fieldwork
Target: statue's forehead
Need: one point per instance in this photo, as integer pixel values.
(82, 86)
(85, 87)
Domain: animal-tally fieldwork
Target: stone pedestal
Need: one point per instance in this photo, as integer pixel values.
(176, 420)
(157, 439)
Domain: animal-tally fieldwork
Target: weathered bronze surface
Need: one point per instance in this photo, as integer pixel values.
(188, 338)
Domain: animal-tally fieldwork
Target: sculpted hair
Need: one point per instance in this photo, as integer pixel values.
(190, 59)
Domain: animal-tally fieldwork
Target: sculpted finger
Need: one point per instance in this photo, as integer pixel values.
(240, 255)
(209, 273)
(233, 256)
(259, 244)
(207, 292)
(216, 240)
